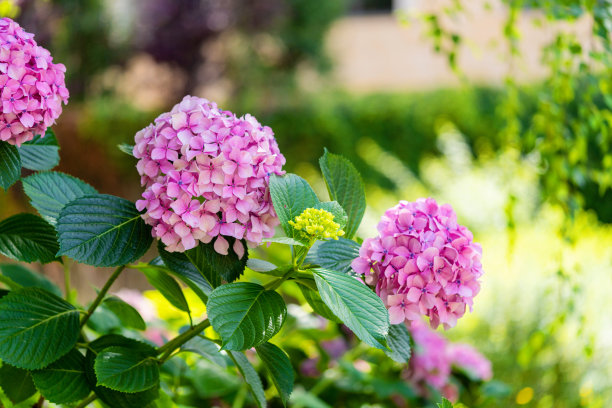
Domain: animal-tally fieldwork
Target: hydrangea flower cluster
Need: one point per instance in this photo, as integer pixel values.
(206, 173)
(317, 224)
(33, 87)
(422, 263)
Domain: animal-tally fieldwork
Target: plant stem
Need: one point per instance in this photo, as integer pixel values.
(167, 349)
(67, 278)
(277, 282)
(87, 401)
(102, 293)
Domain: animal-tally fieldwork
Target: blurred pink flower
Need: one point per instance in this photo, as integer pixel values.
(469, 359)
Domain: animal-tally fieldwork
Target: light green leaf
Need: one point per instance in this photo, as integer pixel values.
(10, 165)
(250, 377)
(63, 381)
(29, 279)
(335, 255)
(445, 404)
(291, 195)
(336, 210)
(179, 265)
(126, 148)
(36, 328)
(279, 366)
(259, 265)
(126, 313)
(345, 185)
(16, 383)
(399, 343)
(159, 277)
(102, 230)
(355, 304)
(126, 370)
(205, 348)
(28, 238)
(245, 314)
(49, 192)
(285, 240)
(318, 306)
(40, 153)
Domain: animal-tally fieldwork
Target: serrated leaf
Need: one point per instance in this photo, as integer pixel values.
(214, 266)
(16, 383)
(336, 210)
(110, 397)
(291, 195)
(10, 165)
(126, 313)
(285, 241)
(355, 304)
(28, 238)
(179, 265)
(49, 192)
(250, 377)
(245, 314)
(345, 185)
(279, 366)
(335, 255)
(29, 279)
(40, 153)
(259, 265)
(318, 306)
(398, 341)
(126, 148)
(126, 370)
(63, 381)
(36, 328)
(160, 279)
(205, 348)
(102, 230)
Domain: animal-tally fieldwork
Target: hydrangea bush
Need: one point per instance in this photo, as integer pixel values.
(214, 186)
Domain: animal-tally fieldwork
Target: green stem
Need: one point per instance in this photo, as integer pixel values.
(102, 293)
(87, 401)
(67, 278)
(278, 281)
(167, 349)
(241, 396)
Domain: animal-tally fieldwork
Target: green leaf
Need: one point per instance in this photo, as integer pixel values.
(10, 165)
(179, 265)
(16, 383)
(126, 148)
(336, 210)
(214, 266)
(250, 377)
(259, 265)
(345, 185)
(160, 279)
(291, 195)
(63, 381)
(279, 366)
(102, 230)
(4, 292)
(29, 279)
(318, 306)
(36, 328)
(285, 240)
(205, 348)
(116, 399)
(49, 192)
(245, 314)
(126, 370)
(445, 404)
(28, 238)
(126, 313)
(399, 343)
(40, 153)
(335, 255)
(355, 304)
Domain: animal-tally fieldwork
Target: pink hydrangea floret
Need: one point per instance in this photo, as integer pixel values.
(206, 173)
(422, 263)
(33, 87)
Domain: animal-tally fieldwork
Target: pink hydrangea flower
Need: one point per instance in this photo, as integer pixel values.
(205, 173)
(32, 87)
(422, 263)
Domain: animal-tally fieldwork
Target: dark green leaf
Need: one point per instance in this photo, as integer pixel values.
(16, 383)
(336, 210)
(179, 265)
(291, 195)
(4, 292)
(26, 278)
(63, 381)
(214, 266)
(318, 306)
(250, 376)
(126, 148)
(355, 304)
(126, 313)
(49, 192)
(159, 278)
(36, 328)
(399, 343)
(245, 314)
(10, 165)
(40, 153)
(335, 255)
(126, 370)
(345, 186)
(279, 366)
(205, 348)
(102, 230)
(28, 238)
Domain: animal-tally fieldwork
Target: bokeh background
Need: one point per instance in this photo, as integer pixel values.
(500, 108)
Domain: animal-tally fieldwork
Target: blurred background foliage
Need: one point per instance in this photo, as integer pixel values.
(523, 155)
